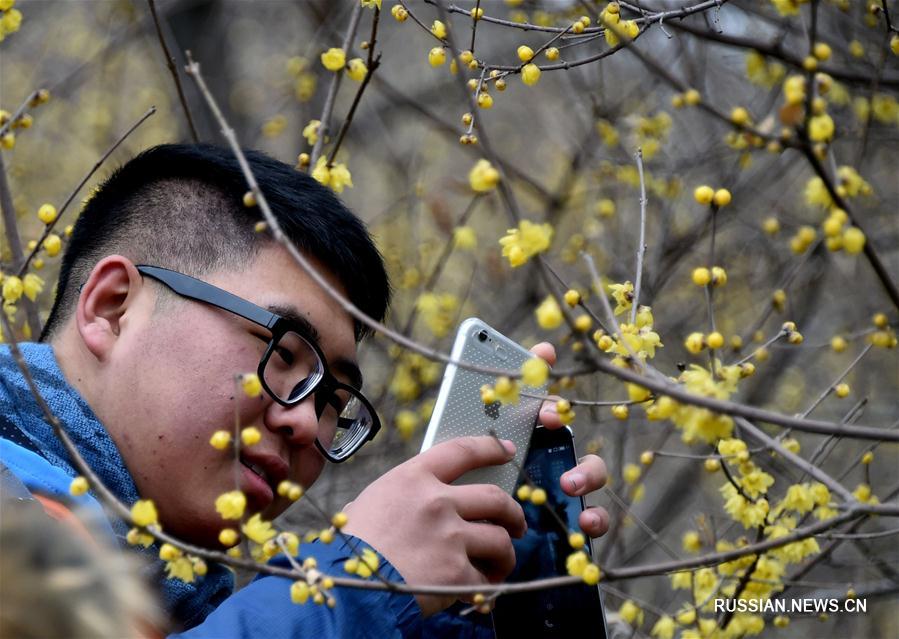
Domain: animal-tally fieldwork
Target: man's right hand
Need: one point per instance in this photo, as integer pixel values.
(435, 533)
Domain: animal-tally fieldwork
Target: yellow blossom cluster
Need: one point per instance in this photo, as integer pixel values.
(413, 374)
(365, 565)
(637, 339)
(762, 72)
(10, 18)
(438, 310)
(623, 294)
(650, 132)
(483, 177)
(696, 423)
(616, 28)
(336, 175)
(524, 242)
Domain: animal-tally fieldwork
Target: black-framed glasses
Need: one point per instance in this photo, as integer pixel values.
(292, 367)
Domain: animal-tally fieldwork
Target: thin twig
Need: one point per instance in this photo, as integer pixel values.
(170, 63)
(641, 247)
(371, 66)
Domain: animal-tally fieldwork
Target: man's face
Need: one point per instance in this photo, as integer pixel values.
(175, 386)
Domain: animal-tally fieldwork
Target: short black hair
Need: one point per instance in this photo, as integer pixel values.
(180, 206)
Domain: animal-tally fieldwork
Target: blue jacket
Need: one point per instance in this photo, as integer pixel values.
(208, 607)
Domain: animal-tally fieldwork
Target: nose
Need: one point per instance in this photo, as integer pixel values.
(298, 424)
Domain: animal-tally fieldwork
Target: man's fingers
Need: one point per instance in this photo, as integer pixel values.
(490, 550)
(546, 351)
(549, 415)
(589, 475)
(594, 521)
(485, 502)
(451, 459)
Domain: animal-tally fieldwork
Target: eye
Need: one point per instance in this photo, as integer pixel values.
(285, 355)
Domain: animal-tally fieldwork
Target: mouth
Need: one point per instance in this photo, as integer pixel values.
(259, 472)
(262, 475)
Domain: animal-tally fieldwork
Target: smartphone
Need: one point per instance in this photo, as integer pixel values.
(459, 410)
(557, 613)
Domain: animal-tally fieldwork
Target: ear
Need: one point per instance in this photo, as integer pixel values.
(106, 299)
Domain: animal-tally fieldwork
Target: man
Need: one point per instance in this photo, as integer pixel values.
(167, 293)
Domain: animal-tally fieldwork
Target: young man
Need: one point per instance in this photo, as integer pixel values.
(167, 292)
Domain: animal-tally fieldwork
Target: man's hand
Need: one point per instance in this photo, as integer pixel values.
(435, 533)
(589, 475)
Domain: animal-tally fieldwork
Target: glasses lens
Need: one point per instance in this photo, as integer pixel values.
(293, 368)
(344, 424)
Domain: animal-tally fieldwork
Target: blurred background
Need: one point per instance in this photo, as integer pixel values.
(566, 149)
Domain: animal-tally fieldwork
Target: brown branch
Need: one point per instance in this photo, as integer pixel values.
(776, 50)
(10, 224)
(870, 253)
(170, 63)
(371, 66)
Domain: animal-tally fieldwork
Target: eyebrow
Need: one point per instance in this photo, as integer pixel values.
(346, 367)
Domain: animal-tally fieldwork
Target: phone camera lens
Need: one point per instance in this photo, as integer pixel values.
(482, 336)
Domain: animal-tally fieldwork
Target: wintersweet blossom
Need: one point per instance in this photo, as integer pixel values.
(483, 177)
(522, 243)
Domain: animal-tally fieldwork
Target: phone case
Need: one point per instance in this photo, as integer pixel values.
(459, 410)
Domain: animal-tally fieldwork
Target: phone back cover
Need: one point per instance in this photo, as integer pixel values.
(461, 412)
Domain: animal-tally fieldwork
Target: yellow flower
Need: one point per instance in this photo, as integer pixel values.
(691, 541)
(181, 568)
(356, 69)
(530, 74)
(853, 240)
(591, 574)
(231, 505)
(663, 628)
(334, 59)
(32, 285)
(631, 613)
(371, 3)
(549, 315)
(251, 385)
(310, 132)
(143, 512)
(220, 439)
(299, 590)
(79, 486)
(631, 473)
(438, 29)
(274, 126)
(538, 496)
(623, 295)
(258, 529)
(228, 537)
(756, 482)
(522, 243)
(436, 56)
(250, 436)
(136, 537)
(406, 422)
(337, 176)
(506, 390)
(534, 371)
(47, 213)
(13, 288)
(483, 177)
(576, 562)
(464, 238)
(821, 128)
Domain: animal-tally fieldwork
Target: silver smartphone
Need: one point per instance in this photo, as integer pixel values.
(459, 410)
